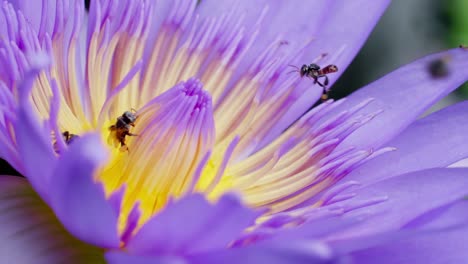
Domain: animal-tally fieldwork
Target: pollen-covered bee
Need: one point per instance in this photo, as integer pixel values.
(121, 129)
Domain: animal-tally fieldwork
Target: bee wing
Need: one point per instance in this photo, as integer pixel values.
(112, 138)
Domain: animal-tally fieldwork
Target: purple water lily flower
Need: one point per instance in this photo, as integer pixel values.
(171, 132)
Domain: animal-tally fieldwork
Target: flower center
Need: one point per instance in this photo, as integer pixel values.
(178, 147)
(166, 159)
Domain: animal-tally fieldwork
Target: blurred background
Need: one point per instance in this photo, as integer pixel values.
(408, 30)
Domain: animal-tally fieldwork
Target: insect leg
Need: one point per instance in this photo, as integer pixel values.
(324, 90)
(319, 83)
(316, 80)
(124, 148)
(131, 134)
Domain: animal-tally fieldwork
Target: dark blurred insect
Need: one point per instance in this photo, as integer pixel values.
(315, 72)
(121, 129)
(439, 68)
(69, 137)
(463, 47)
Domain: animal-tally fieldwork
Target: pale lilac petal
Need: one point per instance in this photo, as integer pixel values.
(260, 38)
(434, 141)
(315, 227)
(459, 164)
(341, 34)
(441, 219)
(323, 23)
(31, 233)
(346, 246)
(77, 200)
(115, 200)
(298, 252)
(50, 17)
(3, 25)
(33, 141)
(405, 197)
(435, 248)
(124, 258)
(171, 231)
(32, 10)
(132, 223)
(444, 219)
(159, 18)
(450, 215)
(276, 22)
(402, 96)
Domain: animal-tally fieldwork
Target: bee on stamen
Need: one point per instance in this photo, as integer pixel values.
(315, 72)
(464, 47)
(121, 129)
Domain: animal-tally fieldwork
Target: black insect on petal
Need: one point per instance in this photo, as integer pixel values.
(439, 68)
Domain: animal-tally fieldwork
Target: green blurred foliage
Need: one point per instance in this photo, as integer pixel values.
(458, 13)
(457, 22)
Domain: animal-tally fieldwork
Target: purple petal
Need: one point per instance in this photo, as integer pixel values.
(209, 227)
(160, 16)
(79, 202)
(403, 95)
(33, 141)
(327, 22)
(297, 252)
(436, 222)
(311, 229)
(276, 22)
(408, 197)
(49, 17)
(31, 233)
(32, 11)
(434, 248)
(445, 216)
(132, 223)
(431, 142)
(341, 33)
(124, 258)
(115, 200)
(280, 230)
(265, 37)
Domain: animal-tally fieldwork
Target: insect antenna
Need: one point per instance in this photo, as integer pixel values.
(296, 69)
